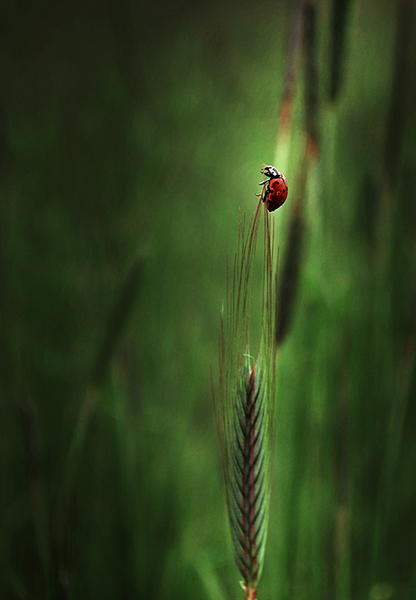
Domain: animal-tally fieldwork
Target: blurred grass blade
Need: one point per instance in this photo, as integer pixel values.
(290, 276)
(116, 324)
(117, 321)
(338, 28)
(291, 70)
(36, 486)
(289, 280)
(402, 88)
(311, 77)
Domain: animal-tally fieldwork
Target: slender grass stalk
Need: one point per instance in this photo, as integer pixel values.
(115, 326)
(311, 77)
(293, 256)
(339, 20)
(402, 87)
(37, 492)
(289, 283)
(244, 410)
(292, 66)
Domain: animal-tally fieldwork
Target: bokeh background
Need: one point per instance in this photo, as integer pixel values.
(130, 142)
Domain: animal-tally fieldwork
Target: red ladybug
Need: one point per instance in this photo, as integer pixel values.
(275, 189)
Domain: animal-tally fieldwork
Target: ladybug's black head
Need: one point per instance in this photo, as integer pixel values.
(270, 171)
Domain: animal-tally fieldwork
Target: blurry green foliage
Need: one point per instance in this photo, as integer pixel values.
(130, 137)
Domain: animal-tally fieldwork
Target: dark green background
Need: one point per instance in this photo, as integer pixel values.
(130, 139)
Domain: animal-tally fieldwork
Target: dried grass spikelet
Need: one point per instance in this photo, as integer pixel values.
(244, 409)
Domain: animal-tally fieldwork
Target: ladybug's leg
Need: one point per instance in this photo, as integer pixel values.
(265, 190)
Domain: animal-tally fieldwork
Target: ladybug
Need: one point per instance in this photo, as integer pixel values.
(275, 189)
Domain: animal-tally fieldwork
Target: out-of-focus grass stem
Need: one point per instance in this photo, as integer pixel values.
(35, 479)
(291, 71)
(114, 330)
(402, 88)
(339, 15)
(311, 77)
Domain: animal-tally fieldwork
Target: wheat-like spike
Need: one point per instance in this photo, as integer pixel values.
(248, 476)
(244, 411)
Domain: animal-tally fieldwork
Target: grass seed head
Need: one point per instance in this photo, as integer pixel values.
(244, 410)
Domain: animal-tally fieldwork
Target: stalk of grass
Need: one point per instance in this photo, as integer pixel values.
(304, 35)
(339, 16)
(36, 484)
(292, 64)
(293, 255)
(115, 327)
(311, 77)
(244, 409)
(403, 84)
(15, 380)
(288, 284)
